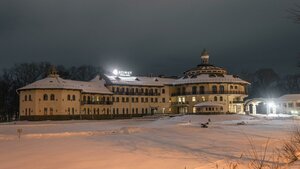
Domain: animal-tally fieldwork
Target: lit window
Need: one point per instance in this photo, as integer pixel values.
(193, 99)
(179, 99)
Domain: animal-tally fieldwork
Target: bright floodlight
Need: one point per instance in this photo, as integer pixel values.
(115, 72)
(271, 104)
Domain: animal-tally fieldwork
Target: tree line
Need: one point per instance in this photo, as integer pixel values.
(267, 83)
(23, 74)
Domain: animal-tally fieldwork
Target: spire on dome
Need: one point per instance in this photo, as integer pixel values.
(53, 72)
(205, 57)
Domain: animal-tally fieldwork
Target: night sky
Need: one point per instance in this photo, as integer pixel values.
(151, 36)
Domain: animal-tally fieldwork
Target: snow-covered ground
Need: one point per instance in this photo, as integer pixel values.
(165, 143)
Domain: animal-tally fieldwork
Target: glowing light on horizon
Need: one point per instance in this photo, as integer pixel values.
(117, 72)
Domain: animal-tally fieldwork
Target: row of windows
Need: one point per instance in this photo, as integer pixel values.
(48, 111)
(136, 90)
(89, 111)
(95, 98)
(27, 98)
(136, 99)
(201, 89)
(182, 99)
(208, 109)
(71, 110)
(290, 105)
(52, 97)
(27, 111)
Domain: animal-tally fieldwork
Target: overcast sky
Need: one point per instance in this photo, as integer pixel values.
(151, 36)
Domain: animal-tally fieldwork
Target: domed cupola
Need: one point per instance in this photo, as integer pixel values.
(204, 57)
(205, 67)
(53, 72)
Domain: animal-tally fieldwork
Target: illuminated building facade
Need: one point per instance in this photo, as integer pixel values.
(203, 89)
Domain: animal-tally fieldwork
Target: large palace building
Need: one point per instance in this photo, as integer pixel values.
(203, 89)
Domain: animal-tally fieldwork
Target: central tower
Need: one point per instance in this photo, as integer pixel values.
(204, 57)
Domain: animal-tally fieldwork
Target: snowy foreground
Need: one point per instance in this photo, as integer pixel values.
(165, 143)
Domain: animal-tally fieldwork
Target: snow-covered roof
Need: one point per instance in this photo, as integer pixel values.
(208, 104)
(209, 78)
(55, 82)
(138, 80)
(290, 97)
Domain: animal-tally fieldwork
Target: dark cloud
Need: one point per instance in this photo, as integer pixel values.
(159, 36)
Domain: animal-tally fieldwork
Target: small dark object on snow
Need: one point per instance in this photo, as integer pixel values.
(205, 125)
(241, 123)
(209, 120)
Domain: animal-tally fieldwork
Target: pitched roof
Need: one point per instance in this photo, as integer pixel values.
(206, 78)
(138, 80)
(55, 82)
(290, 97)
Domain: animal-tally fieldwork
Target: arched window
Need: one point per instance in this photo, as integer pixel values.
(222, 89)
(84, 98)
(69, 97)
(25, 98)
(151, 91)
(29, 98)
(73, 98)
(98, 111)
(214, 89)
(89, 98)
(215, 98)
(107, 110)
(221, 98)
(146, 91)
(194, 90)
(201, 90)
(52, 97)
(45, 97)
